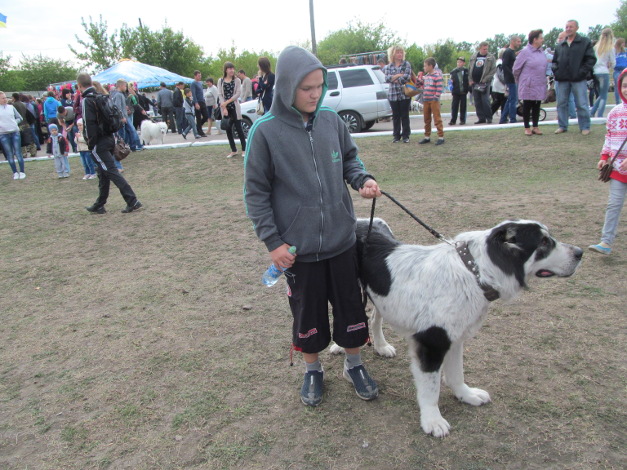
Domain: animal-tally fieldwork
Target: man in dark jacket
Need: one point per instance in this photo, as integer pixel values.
(573, 61)
(459, 77)
(509, 57)
(100, 145)
(177, 104)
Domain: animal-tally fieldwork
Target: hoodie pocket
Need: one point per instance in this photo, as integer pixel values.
(303, 231)
(339, 227)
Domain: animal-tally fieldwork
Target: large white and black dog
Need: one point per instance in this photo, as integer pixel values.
(438, 296)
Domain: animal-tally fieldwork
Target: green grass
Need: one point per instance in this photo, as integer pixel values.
(146, 340)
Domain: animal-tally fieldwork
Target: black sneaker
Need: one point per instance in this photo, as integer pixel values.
(396, 141)
(406, 140)
(451, 123)
(365, 387)
(94, 209)
(440, 141)
(311, 392)
(424, 141)
(136, 206)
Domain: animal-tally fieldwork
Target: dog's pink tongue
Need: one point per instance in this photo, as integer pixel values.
(545, 273)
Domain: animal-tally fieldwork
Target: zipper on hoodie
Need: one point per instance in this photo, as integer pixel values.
(313, 157)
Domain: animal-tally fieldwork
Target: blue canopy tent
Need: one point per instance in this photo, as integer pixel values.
(145, 75)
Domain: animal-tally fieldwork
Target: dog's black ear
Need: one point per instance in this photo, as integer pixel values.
(510, 237)
(504, 251)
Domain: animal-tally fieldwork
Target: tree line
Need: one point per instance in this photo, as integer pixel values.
(173, 51)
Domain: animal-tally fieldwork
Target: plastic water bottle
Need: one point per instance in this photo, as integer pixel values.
(272, 274)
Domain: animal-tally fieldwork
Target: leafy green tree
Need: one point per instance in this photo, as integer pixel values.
(415, 55)
(355, 39)
(100, 50)
(594, 32)
(247, 61)
(550, 38)
(12, 80)
(38, 71)
(445, 54)
(465, 48)
(166, 48)
(620, 25)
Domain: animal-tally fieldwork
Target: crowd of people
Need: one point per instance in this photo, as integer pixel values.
(187, 110)
(518, 79)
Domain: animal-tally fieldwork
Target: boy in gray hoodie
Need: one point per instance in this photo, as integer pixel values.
(299, 159)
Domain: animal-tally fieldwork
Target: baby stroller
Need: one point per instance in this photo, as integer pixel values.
(519, 111)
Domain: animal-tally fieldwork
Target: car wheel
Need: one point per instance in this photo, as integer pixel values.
(368, 125)
(352, 121)
(246, 125)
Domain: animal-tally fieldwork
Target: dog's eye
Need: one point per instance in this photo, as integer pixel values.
(545, 241)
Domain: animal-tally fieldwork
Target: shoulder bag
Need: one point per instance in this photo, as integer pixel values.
(121, 150)
(606, 170)
(410, 88)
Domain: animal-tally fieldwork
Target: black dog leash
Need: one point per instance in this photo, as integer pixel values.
(489, 292)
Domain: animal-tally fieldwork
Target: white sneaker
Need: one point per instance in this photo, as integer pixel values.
(16, 176)
(92, 177)
(22, 175)
(86, 177)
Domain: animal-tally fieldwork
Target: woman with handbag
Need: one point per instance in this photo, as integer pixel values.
(613, 151)
(229, 90)
(397, 73)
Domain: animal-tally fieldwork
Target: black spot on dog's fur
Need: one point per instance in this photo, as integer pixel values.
(527, 238)
(373, 270)
(432, 345)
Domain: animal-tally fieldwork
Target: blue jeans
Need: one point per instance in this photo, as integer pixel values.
(88, 162)
(510, 105)
(191, 124)
(615, 204)
(35, 136)
(71, 136)
(604, 87)
(580, 91)
(572, 113)
(616, 95)
(12, 147)
(128, 133)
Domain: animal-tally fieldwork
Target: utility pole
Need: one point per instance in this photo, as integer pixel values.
(314, 48)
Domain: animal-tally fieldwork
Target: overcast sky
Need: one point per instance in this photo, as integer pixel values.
(47, 27)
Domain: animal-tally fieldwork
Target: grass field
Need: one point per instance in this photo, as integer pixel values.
(147, 341)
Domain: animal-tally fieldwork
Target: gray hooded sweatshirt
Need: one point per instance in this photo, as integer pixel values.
(296, 173)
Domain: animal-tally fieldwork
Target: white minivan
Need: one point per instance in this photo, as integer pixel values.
(358, 93)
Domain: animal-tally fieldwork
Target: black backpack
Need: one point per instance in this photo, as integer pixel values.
(109, 116)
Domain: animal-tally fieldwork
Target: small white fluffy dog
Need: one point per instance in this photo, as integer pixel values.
(153, 131)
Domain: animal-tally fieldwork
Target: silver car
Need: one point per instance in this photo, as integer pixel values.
(357, 93)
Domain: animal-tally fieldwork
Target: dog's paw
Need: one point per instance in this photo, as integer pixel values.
(335, 349)
(435, 425)
(474, 396)
(386, 350)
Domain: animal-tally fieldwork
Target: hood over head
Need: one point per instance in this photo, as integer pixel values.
(294, 64)
(618, 84)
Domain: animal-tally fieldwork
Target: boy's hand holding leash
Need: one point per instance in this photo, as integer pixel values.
(370, 189)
